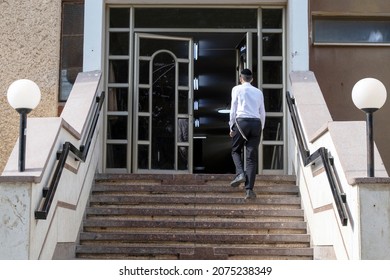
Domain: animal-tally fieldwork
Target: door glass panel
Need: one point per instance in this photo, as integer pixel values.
(143, 128)
(274, 74)
(117, 99)
(116, 156)
(183, 102)
(273, 129)
(119, 43)
(182, 130)
(163, 106)
(144, 72)
(117, 127)
(183, 78)
(273, 100)
(272, 18)
(148, 46)
(143, 100)
(182, 138)
(118, 71)
(183, 158)
(195, 18)
(272, 44)
(143, 156)
(273, 157)
(119, 17)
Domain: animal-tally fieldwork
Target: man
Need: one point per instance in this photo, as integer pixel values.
(247, 119)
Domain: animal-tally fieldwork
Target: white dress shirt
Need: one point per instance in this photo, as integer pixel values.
(247, 102)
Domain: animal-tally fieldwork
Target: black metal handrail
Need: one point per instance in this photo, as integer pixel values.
(323, 154)
(302, 145)
(80, 154)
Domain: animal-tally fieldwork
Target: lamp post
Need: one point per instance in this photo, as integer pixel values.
(369, 95)
(23, 95)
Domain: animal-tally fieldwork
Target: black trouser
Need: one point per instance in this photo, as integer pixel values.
(251, 128)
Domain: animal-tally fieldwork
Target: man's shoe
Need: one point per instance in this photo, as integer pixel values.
(240, 178)
(250, 194)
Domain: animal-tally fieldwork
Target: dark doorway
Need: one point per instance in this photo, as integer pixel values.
(216, 72)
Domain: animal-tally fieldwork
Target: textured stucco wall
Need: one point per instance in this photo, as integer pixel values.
(30, 49)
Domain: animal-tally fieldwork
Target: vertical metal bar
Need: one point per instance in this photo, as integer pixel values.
(150, 140)
(22, 140)
(176, 118)
(260, 156)
(131, 98)
(370, 144)
(249, 51)
(191, 99)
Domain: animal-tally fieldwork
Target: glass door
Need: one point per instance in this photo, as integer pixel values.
(244, 51)
(163, 104)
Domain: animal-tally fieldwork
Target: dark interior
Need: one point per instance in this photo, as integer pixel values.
(216, 71)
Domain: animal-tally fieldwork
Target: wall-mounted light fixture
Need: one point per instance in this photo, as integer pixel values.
(225, 110)
(196, 105)
(23, 95)
(196, 83)
(196, 51)
(369, 95)
(197, 123)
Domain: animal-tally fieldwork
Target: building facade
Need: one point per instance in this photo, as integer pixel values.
(160, 121)
(357, 47)
(168, 68)
(30, 49)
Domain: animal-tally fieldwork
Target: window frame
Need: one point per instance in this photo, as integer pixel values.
(350, 19)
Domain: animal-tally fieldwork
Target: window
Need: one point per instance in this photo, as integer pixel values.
(272, 86)
(351, 30)
(72, 34)
(195, 18)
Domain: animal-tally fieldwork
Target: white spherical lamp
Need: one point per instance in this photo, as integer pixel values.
(369, 94)
(23, 95)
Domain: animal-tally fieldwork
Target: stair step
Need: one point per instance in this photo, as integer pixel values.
(188, 179)
(183, 251)
(89, 237)
(170, 189)
(166, 216)
(190, 210)
(191, 199)
(217, 223)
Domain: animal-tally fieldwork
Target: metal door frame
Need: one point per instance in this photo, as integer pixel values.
(131, 85)
(189, 60)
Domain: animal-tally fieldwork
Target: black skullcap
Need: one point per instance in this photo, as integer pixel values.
(246, 72)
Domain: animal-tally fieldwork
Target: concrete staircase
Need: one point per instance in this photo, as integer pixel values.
(193, 217)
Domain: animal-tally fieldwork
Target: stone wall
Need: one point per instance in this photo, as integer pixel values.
(30, 49)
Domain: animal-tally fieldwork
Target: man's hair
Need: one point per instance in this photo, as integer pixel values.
(246, 75)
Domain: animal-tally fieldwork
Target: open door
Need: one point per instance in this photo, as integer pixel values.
(244, 52)
(163, 104)
(244, 58)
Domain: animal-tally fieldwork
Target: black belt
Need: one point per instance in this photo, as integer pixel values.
(249, 119)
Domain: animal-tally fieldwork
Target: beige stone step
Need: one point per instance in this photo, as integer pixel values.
(193, 217)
